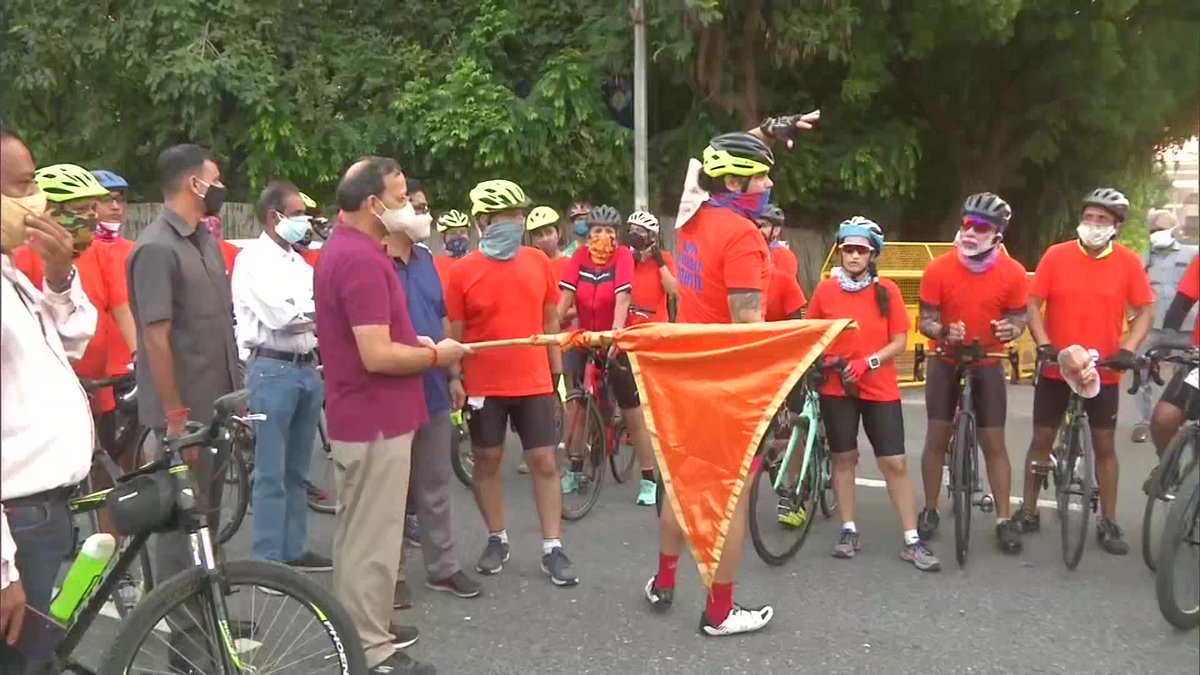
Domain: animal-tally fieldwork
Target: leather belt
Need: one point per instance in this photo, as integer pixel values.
(276, 355)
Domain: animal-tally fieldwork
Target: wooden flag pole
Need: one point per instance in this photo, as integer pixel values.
(594, 339)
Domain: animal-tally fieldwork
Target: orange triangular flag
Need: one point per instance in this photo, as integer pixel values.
(709, 392)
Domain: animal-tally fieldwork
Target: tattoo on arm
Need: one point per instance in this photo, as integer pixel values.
(930, 321)
(745, 306)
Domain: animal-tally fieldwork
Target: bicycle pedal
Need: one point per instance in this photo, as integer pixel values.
(986, 504)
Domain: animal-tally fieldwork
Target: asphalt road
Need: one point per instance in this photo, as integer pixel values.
(873, 614)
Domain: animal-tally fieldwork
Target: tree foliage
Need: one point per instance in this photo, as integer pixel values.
(923, 101)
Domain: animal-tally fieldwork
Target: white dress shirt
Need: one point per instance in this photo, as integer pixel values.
(272, 299)
(46, 426)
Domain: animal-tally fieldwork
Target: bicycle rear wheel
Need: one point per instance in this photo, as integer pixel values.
(624, 454)
(462, 458)
(1075, 492)
(1177, 584)
(235, 497)
(280, 622)
(322, 484)
(824, 461)
(587, 441)
(1165, 480)
(777, 542)
(962, 463)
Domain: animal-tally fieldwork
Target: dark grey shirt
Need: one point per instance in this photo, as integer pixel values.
(179, 276)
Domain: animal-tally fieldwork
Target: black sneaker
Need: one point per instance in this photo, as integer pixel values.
(495, 554)
(1008, 537)
(660, 599)
(400, 663)
(927, 523)
(412, 532)
(458, 583)
(401, 597)
(1111, 538)
(311, 562)
(1028, 522)
(403, 636)
(558, 567)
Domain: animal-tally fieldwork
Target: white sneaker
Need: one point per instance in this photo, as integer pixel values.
(740, 620)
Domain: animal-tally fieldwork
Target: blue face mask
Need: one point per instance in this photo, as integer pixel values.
(501, 241)
(749, 204)
(581, 228)
(457, 246)
(294, 229)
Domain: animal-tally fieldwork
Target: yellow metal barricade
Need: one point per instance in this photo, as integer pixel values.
(904, 263)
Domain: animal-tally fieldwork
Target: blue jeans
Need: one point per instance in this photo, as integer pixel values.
(43, 536)
(290, 395)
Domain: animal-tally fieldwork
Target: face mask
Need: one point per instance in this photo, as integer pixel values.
(1162, 239)
(106, 231)
(457, 246)
(547, 246)
(635, 241)
(12, 217)
(848, 283)
(1095, 236)
(501, 241)
(415, 225)
(214, 198)
(601, 245)
(581, 228)
(752, 205)
(292, 230)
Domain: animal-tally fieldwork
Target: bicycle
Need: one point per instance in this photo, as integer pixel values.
(1072, 466)
(1169, 474)
(461, 458)
(799, 483)
(162, 497)
(964, 481)
(606, 438)
(1183, 527)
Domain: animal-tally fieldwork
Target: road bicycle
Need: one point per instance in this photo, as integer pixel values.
(964, 483)
(598, 436)
(210, 618)
(1176, 463)
(1072, 466)
(788, 487)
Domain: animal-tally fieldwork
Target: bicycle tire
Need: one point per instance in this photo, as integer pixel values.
(768, 468)
(594, 460)
(325, 505)
(238, 475)
(1079, 451)
(962, 459)
(827, 498)
(1169, 477)
(1148, 529)
(1183, 525)
(141, 623)
(622, 464)
(660, 494)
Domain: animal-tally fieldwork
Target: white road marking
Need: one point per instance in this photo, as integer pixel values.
(873, 482)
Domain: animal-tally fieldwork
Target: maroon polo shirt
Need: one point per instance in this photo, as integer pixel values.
(356, 284)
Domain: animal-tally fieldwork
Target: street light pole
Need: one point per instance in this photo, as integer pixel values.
(641, 181)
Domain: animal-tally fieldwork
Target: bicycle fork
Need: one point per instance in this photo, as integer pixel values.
(217, 616)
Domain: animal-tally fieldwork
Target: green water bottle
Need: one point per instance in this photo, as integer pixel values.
(84, 574)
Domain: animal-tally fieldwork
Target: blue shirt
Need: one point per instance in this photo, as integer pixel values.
(426, 309)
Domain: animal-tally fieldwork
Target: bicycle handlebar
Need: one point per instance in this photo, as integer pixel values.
(965, 355)
(1140, 363)
(836, 365)
(91, 386)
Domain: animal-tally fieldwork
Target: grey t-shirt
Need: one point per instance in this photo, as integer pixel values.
(176, 273)
(1165, 267)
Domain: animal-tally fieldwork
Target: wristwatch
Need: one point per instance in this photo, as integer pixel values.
(872, 362)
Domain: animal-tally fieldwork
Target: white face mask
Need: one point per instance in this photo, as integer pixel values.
(1162, 239)
(973, 245)
(1095, 236)
(405, 220)
(292, 229)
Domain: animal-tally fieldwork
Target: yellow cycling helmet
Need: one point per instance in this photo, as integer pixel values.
(68, 182)
(737, 154)
(309, 203)
(540, 217)
(493, 196)
(451, 220)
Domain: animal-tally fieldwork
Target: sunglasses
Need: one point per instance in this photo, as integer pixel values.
(855, 249)
(977, 226)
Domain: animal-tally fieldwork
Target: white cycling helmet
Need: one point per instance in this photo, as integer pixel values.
(643, 219)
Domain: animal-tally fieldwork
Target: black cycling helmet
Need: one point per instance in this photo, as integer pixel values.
(990, 207)
(773, 216)
(604, 215)
(1110, 200)
(737, 154)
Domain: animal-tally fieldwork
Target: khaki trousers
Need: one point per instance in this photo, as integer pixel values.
(372, 482)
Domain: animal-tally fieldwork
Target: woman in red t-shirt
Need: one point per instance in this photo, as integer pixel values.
(653, 271)
(854, 291)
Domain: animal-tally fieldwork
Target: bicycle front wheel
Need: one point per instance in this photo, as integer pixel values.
(581, 489)
(780, 520)
(827, 497)
(461, 457)
(1178, 582)
(235, 497)
(1076, 487)
(624, 454)
(321, 487)
(961, 483)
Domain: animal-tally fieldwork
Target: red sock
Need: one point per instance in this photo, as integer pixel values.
(666, 571)
(720, 603)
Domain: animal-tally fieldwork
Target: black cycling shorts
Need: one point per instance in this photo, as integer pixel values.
(619, 376)
(533, 416)
(1182, 395)
(987, 388)
(1051, 398)
(882, 420)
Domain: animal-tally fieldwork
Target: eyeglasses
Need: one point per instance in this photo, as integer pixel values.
(977, 226)
(855, 249)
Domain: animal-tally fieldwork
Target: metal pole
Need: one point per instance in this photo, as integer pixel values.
(641, 181)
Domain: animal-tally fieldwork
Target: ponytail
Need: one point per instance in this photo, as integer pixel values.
(882, 299)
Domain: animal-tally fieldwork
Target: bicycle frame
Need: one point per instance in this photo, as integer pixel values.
(808, 413)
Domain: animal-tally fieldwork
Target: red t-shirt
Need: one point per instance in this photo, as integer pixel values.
(497, 300)
(649, 296)
(90, 266)
(719, 251)
(829, 301)
(443, 264)
(784, 296)
(229, 253)
(783, 258)
(116, 254)
(596, 286)
(976, 299)
(308, 255)
(1189, 287)
(1084, 299)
